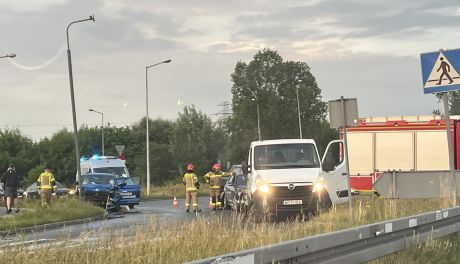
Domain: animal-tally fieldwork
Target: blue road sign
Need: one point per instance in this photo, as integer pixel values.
(440, 71)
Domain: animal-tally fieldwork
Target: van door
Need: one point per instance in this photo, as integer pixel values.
(335, 172)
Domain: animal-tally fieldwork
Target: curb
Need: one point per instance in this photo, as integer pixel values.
(43, 227)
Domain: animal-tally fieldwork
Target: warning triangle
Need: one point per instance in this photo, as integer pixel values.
(442, 68)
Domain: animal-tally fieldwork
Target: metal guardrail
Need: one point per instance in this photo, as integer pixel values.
(353, 245)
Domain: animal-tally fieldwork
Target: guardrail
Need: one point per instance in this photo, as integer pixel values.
(353, 245)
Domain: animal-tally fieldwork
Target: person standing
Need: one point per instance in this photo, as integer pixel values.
(46, 183)
(213, 179)
(191, 183)
(11, 184)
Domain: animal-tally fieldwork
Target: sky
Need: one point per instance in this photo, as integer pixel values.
(368, 49)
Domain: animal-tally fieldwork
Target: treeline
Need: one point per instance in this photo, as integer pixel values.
(267, 82)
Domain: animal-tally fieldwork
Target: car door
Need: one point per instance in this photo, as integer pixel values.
(230, 190)
(335, 172)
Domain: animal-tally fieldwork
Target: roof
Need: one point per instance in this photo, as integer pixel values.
(282, 141)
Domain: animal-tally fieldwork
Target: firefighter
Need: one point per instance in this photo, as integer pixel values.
(213, 179)
(46, 184)
(191, 183)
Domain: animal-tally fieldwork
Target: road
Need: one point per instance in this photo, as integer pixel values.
(128, 222)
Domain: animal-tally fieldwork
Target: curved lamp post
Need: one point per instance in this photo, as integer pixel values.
(102, 128)
(11, 55)
(72, 97)
(147, 141)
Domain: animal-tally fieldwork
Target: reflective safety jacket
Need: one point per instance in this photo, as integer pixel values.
(213, 178)
(190, 180)
(46, 180)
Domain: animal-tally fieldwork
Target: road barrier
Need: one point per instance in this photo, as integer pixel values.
(353, 245)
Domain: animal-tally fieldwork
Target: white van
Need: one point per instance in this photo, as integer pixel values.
(287, 176)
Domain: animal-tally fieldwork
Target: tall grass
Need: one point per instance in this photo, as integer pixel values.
(177, 242)
(62, 209)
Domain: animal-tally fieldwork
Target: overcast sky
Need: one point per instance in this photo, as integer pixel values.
(367, 49)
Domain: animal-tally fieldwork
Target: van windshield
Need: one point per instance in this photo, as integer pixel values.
(285, 156)
(118, 172)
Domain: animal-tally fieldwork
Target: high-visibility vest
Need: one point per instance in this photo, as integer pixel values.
(213, 178)
(190, 180)
(46, 180)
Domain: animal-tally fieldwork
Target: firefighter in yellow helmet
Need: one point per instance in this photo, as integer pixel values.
(213, 178)
(191, 183)
(46, 184)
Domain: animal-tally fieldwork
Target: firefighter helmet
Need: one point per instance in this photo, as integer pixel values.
(189, 166)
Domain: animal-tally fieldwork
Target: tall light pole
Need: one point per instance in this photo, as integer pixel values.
(11, 55)
(102, 128)
(147, 141)
(258, 116)
(72, 98)
(298, 107)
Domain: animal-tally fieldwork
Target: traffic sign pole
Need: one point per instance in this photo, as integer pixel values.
(452, 180)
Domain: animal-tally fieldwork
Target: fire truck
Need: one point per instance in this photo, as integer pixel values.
(404, 143)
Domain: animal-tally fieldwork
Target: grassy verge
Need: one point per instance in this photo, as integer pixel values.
(171, 190)
(440, 251)
(172, 242)
(63, 209)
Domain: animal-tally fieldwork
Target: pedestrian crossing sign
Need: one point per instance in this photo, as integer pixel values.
(440, 71)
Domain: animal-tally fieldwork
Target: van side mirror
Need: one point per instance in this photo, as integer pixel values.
(121, 185)
(245, 167)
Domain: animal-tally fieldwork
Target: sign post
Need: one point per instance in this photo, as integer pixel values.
(440, 75)
(344, 113)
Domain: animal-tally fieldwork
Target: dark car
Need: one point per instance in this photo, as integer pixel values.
(33, 192)
(234, 170)
(102, 189)
(234, 190)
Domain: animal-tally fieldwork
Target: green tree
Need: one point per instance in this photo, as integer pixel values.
(197, 140)
(271, 83)
(454, 103)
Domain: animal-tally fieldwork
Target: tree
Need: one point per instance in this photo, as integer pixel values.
(271, 83)
(196, 140)
(454, 103)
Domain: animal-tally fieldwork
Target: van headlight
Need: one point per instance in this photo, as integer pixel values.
(264, 188)
(318, 185)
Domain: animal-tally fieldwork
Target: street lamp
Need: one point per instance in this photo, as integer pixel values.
(147, 142)
(11, 55)
(258, 117)
(102, 127)
(298, 107)
(72, 98)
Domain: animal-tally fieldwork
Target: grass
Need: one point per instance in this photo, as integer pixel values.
(177, 242)
(62, 209)
(442, 251)
(170, 191)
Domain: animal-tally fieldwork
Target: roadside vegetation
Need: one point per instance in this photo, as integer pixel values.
(177, 242)
(62, 209)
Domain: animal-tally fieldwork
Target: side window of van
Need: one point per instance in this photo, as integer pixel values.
(334, 156)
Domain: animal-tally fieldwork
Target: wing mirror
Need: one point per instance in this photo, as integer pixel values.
(245, 167)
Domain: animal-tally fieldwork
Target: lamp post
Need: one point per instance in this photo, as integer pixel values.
(147, 141)
(102, 128)
(11, 55)
(258, 117)
(298, 108)
(72, 98)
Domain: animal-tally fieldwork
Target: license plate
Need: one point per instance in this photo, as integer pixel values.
(292, 202)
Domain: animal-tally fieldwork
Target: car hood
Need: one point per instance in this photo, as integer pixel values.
(300, 175)
(97, 187)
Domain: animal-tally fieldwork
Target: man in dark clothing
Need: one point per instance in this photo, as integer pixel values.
(11, 184)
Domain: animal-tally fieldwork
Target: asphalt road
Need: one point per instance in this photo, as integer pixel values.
(129, 222)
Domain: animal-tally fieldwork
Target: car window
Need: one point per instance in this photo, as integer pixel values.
(98, 179)
(241, 180)
(119, 172)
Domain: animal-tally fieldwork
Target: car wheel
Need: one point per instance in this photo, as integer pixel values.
(131, 206)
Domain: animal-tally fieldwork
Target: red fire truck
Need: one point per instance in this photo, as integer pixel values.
(404, 143)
